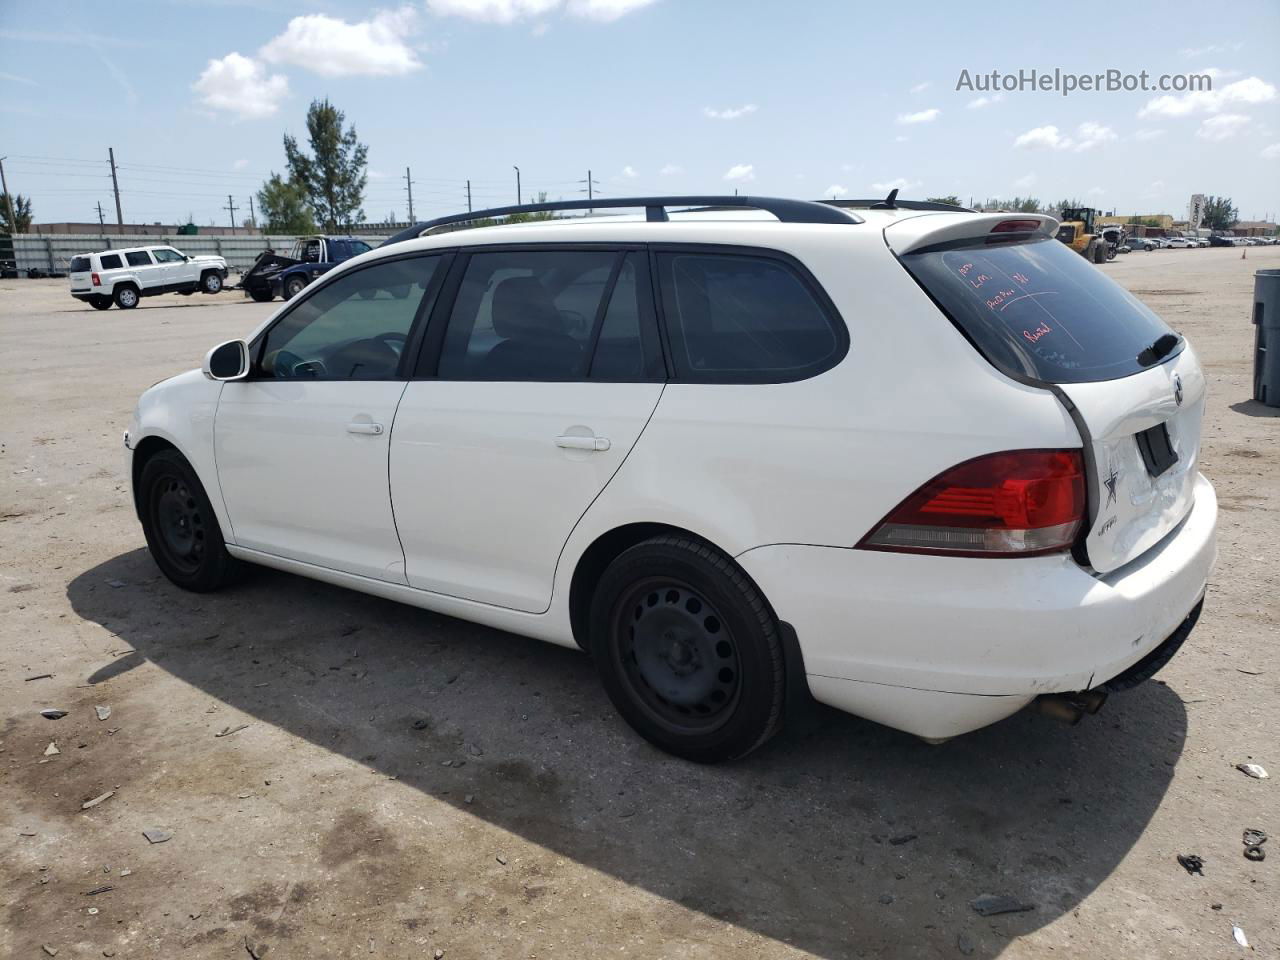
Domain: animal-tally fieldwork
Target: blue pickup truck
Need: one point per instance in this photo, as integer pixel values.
(275, 276)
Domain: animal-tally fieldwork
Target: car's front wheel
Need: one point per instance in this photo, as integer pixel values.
(180, 526)
(688, 649)
(211, 282)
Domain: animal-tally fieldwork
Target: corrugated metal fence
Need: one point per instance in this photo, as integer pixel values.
(52, 253)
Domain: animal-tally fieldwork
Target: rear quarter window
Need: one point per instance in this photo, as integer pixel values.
(1037, 309)
(740, 318)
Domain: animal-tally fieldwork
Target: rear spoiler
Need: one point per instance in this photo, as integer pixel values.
(914, 233)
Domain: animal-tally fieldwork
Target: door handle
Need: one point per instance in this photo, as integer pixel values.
(358, 426)
(583, 443)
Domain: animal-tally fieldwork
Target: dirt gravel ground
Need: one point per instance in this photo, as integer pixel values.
(404, 783)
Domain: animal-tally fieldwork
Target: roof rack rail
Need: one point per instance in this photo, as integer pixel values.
(786, 210)
(893, 203)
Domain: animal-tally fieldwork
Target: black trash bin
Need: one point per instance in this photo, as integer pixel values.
(1266, 337)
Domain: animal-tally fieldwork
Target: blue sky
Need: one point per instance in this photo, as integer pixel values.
(655, 96)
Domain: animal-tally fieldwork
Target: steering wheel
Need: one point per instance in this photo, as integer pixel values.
(395, 341)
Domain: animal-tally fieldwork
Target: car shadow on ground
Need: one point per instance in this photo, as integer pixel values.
(805, 841)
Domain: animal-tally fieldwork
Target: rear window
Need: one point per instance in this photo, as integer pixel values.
(80, 265)
(110, 261)
(1037, 309)
(744, 319)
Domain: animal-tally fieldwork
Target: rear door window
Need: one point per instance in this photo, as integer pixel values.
(1039, 310)
(110, 261)
(736, 318)
(138, 258)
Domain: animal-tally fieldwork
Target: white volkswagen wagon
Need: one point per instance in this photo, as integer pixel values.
(926, 464)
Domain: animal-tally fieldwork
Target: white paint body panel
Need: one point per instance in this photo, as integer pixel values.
(485, 499)
(295, 480)
(494, 517)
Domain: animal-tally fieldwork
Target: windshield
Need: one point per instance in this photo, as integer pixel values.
(1038, 309)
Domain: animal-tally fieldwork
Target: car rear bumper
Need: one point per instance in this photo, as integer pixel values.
(939, 646)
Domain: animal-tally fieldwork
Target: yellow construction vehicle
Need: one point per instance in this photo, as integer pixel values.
(1076, 230)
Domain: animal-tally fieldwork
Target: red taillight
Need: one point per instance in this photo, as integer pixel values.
(1016, 226)
(1020, 503)
(97, 280)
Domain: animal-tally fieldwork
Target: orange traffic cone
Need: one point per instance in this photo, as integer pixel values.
(1244, 253)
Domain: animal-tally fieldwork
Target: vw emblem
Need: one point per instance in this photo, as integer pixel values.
(1177, 389)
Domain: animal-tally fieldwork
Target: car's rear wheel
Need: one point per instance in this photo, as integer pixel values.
(293, 286)
(688, 650)
(261, 296)
(180, 526)
(126, 297)
(100, 303)
(211, 282)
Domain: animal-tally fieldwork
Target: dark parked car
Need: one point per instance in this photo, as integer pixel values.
(275, 276)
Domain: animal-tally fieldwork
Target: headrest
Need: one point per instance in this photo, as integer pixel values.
(522, 308)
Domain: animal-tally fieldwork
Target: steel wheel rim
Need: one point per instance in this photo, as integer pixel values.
(128, 298)
(213, 283)
(179, 523)
(677, 656)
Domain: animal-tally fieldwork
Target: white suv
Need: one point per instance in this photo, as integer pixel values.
(124, 276)
(926, 464)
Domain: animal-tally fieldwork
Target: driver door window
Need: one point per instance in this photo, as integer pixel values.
(354, 328)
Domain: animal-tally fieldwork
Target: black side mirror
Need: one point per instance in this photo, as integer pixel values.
(227, 361)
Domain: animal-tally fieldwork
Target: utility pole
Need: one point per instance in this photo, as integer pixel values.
(468, 196)
(590, 191)
(231, 207)
(115, 184)
(13, 221)
(408, 182)
(102, 224)
(253, 218)
(519, 201)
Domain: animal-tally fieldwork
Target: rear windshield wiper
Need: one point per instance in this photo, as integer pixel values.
(1163, 346)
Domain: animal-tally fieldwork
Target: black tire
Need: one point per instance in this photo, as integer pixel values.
(211, 282)
(126, 297)
(293, 286)
(100, 303)
(180, 526)
(262, 296)
(688, 650)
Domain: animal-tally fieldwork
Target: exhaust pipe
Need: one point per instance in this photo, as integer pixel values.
(1071, 708)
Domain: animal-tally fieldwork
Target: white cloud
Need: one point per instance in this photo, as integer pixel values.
(377, 175)
(920, 116)
(670, 170)
(334, 48)
(629, 172)
(977, 103)
(1250, 90)
(1025, 183)
(1271, 152)
(239, 85)
(1146, 134)
(14, 78)
(1218, 73)
(508, 11)
(730, 113)
(836, 190)
(1211, 49)
(921, 87)
(1088, 135)
(240, 164)
(1222, 127)
(741, 173)
(901, 183)
(1096, 191)
(900, 139)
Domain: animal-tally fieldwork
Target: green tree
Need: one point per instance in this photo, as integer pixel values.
(530, 217)
(950, 198)
(1219, 214)
(334, 173)
(284, 206)
(1061, 205)
(21, 213)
